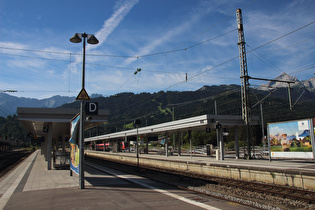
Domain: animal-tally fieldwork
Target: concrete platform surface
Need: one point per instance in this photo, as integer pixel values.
(32, 186)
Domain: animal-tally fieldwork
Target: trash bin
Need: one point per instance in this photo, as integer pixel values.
(208, 147)
(62, 159)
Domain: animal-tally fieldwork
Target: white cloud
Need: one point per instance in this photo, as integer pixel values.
(31, 65)
(13, 45)
(157, 42)
(188, 22)
(122, 8)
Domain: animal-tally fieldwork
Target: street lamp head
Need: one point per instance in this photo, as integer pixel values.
(92, 39)
(76, 38)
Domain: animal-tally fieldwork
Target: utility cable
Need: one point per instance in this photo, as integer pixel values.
(118, 56)
(265, 59)
(25, 56)
(280, 37)
(198, 74)
(217, 23)
(38, 51)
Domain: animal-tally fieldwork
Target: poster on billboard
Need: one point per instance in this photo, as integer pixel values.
(291, 139)
(74, 157)
(74, 147)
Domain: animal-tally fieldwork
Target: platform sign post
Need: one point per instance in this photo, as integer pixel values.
(137, 122)
(83, 96)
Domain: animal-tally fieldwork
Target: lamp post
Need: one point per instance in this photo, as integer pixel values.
(137, 122)
(91, 39)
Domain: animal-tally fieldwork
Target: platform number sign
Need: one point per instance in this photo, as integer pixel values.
(91, 108)
(45, 129)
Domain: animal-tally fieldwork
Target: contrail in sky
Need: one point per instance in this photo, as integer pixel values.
(121, 10)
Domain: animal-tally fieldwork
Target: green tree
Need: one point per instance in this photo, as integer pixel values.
(11, 129)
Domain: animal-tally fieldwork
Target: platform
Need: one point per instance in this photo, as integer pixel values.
(295, 173)
(31, 175)
(32, 186)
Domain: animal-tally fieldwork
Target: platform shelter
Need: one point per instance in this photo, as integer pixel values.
(202, 122)
(52, 125)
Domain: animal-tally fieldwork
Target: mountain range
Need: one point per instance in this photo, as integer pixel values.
(304, 134)
(188, 103)
(9, 103)
(307, 84)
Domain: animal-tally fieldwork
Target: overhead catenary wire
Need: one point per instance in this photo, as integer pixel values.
(216, 96)
(134, 56)
(117, 56)
(70, 54)
(151, 54)
(231, 59)
(161, 93)
(272, 65)
(234, 57)
(35, 57)
(191, 77)
(216, 23)
(265, 60)
(302, 68)
(33, 50)
(280, 37)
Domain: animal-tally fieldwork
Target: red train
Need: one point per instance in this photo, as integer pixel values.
(108, 147)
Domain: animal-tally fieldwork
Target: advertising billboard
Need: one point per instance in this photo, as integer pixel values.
(291, 139)
(74, 147)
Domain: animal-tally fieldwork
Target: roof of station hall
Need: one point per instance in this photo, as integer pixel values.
(183, 125)
(34, 119)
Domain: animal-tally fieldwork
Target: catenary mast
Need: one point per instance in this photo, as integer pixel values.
(244, 78)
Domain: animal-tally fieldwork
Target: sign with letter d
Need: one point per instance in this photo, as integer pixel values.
(91, 108)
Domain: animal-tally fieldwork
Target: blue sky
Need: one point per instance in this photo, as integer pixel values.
(167, 39)
(289, 128)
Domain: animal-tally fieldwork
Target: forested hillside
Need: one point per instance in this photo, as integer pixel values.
(163, 106)
(11, 129)
(153, 108)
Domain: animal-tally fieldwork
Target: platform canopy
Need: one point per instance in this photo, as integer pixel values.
(202, 122)
(36, 120)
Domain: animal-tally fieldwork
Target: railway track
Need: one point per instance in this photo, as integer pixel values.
(274, 190)
(283, 196)
(9, 160)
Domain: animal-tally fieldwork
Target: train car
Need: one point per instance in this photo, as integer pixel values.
(108, 147)
(124, 145)
(100, 147)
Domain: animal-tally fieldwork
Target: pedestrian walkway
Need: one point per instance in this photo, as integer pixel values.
(32, 186)
(32, 175)
(40, 178)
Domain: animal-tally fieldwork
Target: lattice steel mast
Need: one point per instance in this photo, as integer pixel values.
(244, 77)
